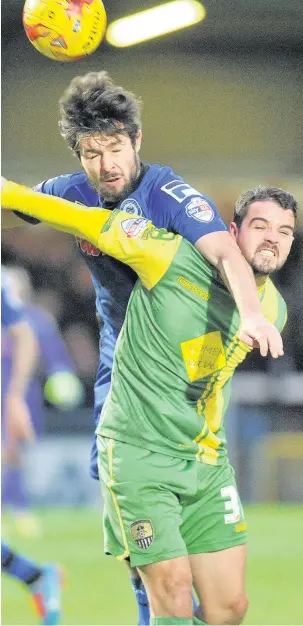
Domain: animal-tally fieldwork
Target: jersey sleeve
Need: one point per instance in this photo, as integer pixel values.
(149, 251)
(51, 187)
(12, 310)
(186, 211)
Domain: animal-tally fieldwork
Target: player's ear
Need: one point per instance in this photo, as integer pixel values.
(138, 140)
(234, 231)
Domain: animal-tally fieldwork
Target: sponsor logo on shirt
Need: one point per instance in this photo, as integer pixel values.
(142, 533)
(192, 287)
(200, 210)
(134, 226)
(203, 355)
(130, 205)
(87, 247)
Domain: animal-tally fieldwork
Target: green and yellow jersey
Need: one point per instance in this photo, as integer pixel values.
(179, 346)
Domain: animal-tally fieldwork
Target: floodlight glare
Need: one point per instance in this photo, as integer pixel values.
(159, 20)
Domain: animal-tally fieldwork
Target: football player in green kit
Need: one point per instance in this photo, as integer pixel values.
(171, 504)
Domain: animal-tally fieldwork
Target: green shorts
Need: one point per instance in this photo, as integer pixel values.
(158, 507)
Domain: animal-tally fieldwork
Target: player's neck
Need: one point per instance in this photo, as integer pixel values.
(261, 279)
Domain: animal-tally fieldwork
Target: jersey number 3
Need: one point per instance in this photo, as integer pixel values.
(232, 504)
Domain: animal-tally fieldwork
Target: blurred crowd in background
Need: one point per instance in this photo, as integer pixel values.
(62, 285)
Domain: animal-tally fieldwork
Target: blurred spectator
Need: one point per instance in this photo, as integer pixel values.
(54, 380)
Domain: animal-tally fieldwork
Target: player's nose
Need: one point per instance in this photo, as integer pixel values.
(106, 163)
(272, 235)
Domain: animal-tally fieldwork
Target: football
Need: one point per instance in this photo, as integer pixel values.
(64, 30)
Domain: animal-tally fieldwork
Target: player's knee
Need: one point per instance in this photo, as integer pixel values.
(237, 609)
(230, 612)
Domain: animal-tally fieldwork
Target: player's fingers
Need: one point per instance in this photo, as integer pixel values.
(275, 343)
(263, 344)
(243, 336)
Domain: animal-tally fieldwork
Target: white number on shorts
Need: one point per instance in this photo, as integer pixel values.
(232, 504)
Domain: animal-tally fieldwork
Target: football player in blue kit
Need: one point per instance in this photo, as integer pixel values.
(101, 125)
(53, 379)
(42, 582)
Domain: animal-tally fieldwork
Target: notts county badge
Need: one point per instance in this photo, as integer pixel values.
(142, 533)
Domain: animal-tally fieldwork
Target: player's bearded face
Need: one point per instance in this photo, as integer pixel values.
(265, 236)
(111, 163)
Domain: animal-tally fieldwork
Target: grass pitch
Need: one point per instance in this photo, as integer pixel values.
(98, 590)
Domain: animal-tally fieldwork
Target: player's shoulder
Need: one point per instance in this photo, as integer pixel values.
(157, 173)
(171, 192)
(173, 186)
(68, 185)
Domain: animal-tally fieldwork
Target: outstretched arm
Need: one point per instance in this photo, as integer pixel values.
(132, 240)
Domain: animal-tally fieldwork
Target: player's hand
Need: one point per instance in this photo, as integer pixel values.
(256, 331)
(18, 421)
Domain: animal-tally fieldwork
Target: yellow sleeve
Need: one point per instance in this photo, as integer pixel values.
(149, 251)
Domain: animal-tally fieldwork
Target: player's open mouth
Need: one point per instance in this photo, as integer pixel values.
(267, 252)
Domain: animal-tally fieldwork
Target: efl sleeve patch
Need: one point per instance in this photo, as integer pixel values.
(200, 210)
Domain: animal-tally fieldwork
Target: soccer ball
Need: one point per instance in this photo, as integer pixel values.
(65, 30)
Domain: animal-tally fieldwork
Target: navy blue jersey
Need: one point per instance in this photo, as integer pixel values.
(161, 196)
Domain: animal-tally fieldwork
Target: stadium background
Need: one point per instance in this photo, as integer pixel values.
(222, 104)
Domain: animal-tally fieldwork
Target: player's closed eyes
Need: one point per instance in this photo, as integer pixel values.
(90, 155)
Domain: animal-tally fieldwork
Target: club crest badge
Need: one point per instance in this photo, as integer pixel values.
(130, 205)
(142, 533)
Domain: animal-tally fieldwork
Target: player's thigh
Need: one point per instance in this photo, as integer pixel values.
(214, 519)
(219, 577)
(142, 514)
(169, 587)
